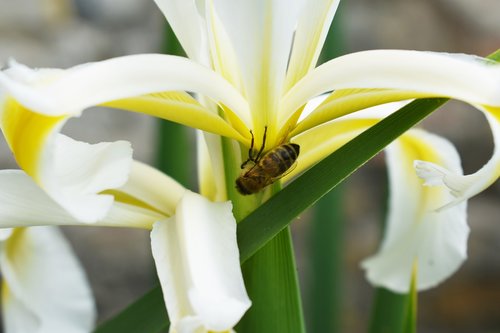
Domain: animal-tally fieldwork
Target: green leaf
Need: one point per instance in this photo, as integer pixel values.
(272, 285)
(276, 213)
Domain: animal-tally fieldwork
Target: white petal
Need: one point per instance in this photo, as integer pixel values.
(45, 288)
(261, 33)
(461, 77)
(71, 172)
(74, 172)
(434, 242)
(197, 260)
(80, 87)
(460, 186)
(223, 56)
(312, 28)
(154, 188)
(211, 179)
(23, 203)
(188, 25)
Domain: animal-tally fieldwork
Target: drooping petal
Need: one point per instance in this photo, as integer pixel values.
(71, 172)
(471, 79)
(197, 260)
(80, 87)
(464, 187)
(23, 203)
(261, 35)
(44, 287)
(312, 28)
(188, 25)
(417, 234)
(74, 173)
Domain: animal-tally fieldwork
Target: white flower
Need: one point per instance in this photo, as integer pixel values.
(44, 288)
(252, 68)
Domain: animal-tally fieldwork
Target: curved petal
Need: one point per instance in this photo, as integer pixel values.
(464, 187)
(468, 78)
(321, 141)
(80, 87)
(211, 179)
(188, 25)
(71, 172)
(44, 288)
(181, 108)
(261, 35)
(23, 203)
(154, 188)
(74, 173)
(197, 260)
(310, 35)
(435, 242)
(345, 101)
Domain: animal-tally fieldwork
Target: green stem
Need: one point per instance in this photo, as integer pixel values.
(389, 311)
(270, 275)
(272, 284)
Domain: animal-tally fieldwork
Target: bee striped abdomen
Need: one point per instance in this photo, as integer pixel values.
(280, 159)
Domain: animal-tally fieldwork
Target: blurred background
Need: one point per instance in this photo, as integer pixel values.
(63, 33)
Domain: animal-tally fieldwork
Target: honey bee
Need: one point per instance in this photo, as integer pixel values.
(260, 171)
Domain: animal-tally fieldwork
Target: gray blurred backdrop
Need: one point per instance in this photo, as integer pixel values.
(63, 33)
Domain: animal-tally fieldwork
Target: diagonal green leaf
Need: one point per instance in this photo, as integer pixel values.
(276, 213)
(272, 284)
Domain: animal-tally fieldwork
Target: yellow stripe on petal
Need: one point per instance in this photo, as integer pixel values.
(178, 107)
(416, 234)
(26, 133)
(320, 141)
(309, 37)
(346, 101)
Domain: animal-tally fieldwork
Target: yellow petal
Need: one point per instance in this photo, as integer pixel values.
(26, 133)
(458, 76)
(179, 107)
(345, 101)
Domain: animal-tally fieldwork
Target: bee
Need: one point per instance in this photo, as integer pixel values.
(260, 170)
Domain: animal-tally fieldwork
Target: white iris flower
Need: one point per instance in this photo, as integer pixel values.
(251, 67)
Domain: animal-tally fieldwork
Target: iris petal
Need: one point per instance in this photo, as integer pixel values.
(197, 260)
(467, 78)
(417, 235)
(35, 262)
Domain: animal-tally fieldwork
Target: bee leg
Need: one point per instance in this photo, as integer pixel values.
(250, 152)
(263, 145)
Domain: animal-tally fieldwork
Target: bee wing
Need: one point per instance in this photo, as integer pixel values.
(290, 169)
